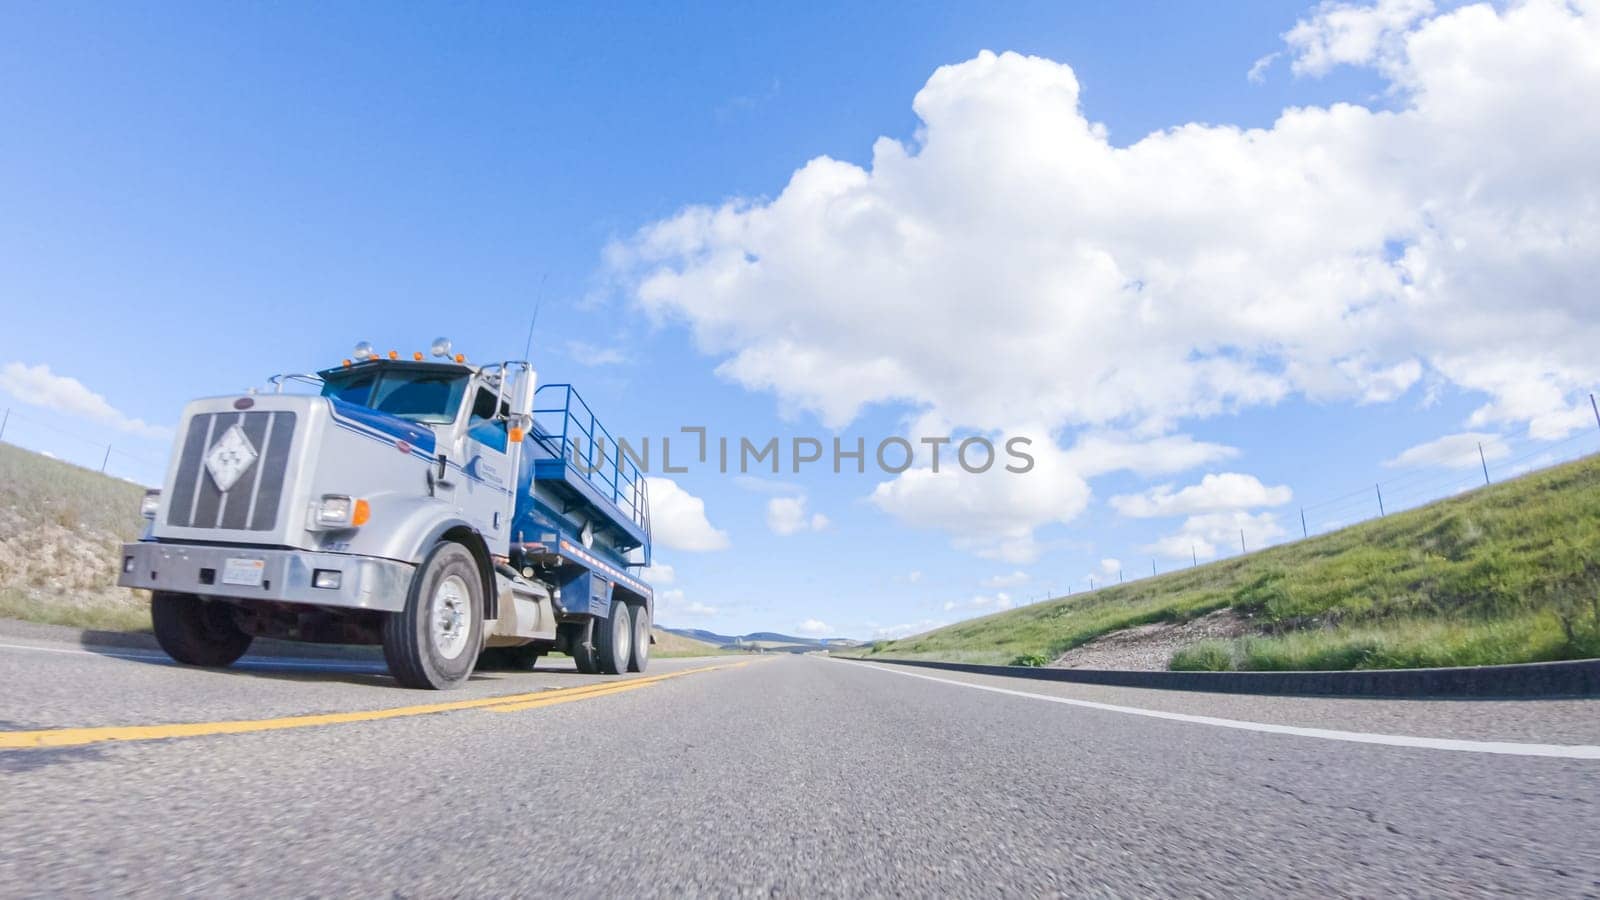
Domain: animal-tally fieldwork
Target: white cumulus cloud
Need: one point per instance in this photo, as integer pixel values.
(813, 628)
(1352, 34)
(1453, 451)
(658, 574)
(1011, 266)
(672, 605)
(1208, 535)
(678, 519)
(1102, 453)
(38, 386)
(1226, 491)
(787, 515)
(994, 513)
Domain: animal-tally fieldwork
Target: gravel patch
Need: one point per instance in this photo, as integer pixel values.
(1150, 647)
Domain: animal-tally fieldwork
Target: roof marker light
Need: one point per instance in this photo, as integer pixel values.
(394, 354)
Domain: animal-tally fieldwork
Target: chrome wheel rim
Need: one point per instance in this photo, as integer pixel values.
(450, 615)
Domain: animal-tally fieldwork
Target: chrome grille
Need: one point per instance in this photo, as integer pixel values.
(252, 503)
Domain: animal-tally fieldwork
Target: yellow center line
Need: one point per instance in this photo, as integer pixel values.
(74, 737)
(550, 699)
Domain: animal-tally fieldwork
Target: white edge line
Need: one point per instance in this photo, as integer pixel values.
(1506, 748)
(245, 662)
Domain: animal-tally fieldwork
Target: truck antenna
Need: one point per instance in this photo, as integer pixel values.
(538, 302)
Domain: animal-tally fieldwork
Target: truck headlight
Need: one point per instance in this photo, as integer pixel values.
(149, 504)
(341, 511)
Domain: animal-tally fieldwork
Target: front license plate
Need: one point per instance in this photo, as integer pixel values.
(245, 572)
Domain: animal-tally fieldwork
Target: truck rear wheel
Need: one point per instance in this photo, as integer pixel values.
(433, 642)
(640, 657)
(582, 653)
(196, 632)
(613, 639)
(510, 659)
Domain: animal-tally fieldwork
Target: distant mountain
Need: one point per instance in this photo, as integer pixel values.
(770, 640)
(700, 634)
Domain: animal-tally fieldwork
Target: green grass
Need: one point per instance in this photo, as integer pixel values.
(88, 614)
(47, 490)
(60, 527)
(1508, 573)
(1205, 656)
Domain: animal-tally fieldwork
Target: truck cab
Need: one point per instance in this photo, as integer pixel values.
(418, 503)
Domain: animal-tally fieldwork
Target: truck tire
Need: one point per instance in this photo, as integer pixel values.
(433, 642)
(613, 639)
(640, 657)
(524, 658)
(509, 659)
(196, 632)
(584, 657)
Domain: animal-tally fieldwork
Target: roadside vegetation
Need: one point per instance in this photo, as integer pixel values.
(1504, 574)
(60, 527)
(669, 645)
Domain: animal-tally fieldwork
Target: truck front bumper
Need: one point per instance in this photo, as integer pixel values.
(286, 576)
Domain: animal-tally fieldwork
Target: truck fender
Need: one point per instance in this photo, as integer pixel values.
(422, 525)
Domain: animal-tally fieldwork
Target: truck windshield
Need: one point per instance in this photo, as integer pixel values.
(427, 397)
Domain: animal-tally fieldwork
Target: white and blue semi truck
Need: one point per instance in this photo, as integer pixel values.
(458, 515)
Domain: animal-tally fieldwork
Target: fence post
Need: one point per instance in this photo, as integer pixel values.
(5, 421)
(1483, 459)
(1596, 407)
(1379, 489)
(1241, 542)
(1152, 567)
(104, 462)
(1194, 556)
(1304, 532)
(1119, 576)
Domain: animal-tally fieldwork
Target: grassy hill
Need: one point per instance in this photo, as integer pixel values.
(669, 644)
(60, 527)
(1507, 573)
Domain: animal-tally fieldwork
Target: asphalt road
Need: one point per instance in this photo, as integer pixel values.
(795, 776)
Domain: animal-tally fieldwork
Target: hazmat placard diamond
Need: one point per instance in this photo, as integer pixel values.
(230, 457)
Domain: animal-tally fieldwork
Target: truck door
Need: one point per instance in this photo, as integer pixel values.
(486, 495)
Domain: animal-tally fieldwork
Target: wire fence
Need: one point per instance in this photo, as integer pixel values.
(1496, 458)
(136, 465)
(1471, 469)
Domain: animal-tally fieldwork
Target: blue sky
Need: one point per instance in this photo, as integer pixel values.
(196, 197)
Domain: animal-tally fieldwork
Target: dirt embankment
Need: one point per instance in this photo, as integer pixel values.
(1150, 647)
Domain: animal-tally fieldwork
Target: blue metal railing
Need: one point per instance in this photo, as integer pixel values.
(568, 427)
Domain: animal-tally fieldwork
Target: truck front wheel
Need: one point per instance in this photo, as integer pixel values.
(196, 632)
(433, 642)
